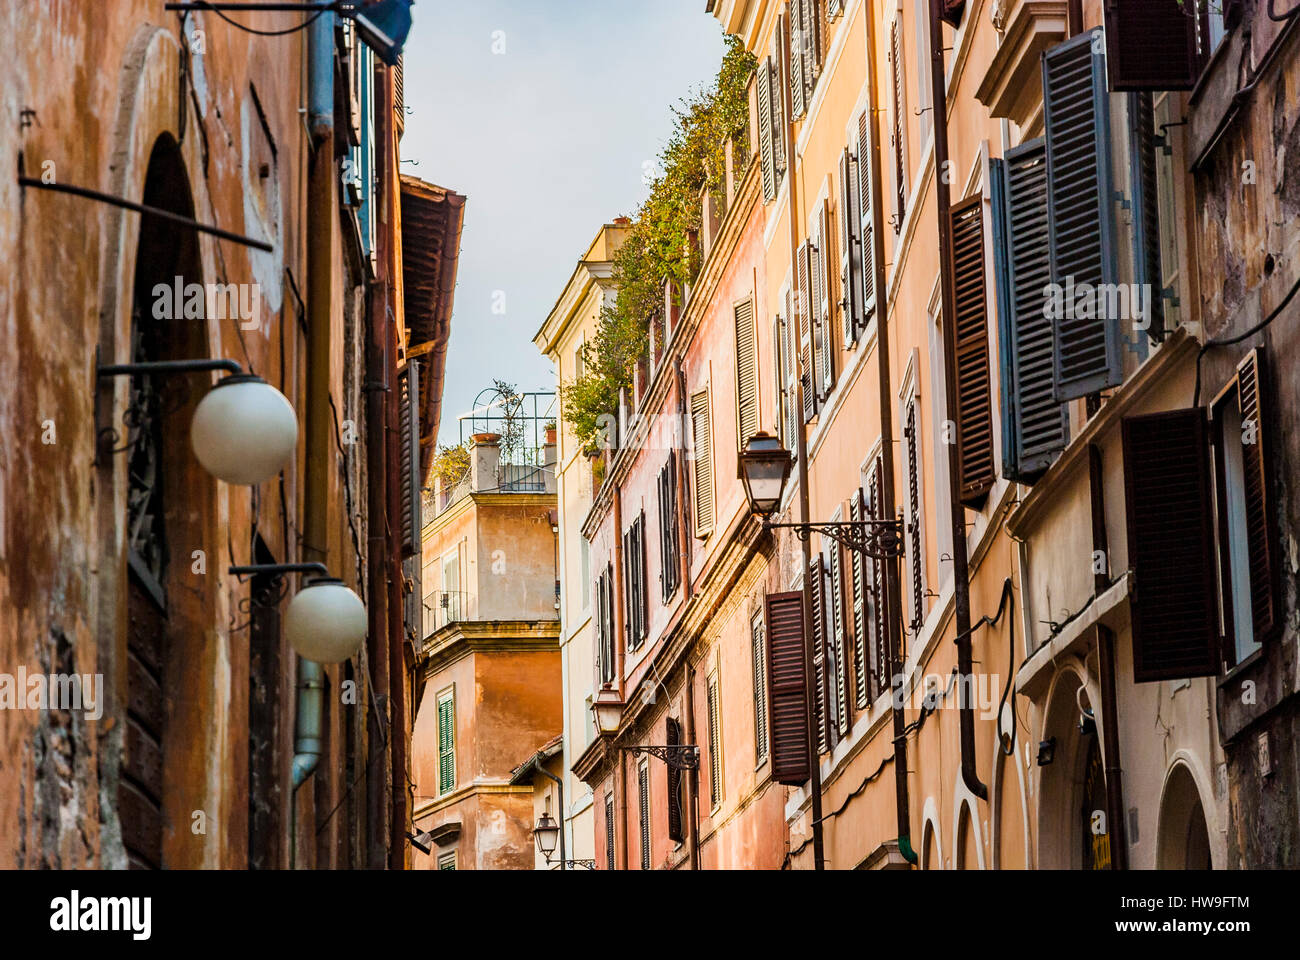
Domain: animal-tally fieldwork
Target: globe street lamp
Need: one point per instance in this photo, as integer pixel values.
(325, 621)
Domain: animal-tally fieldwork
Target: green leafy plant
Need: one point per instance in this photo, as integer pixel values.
(659, 246)
(451, 465)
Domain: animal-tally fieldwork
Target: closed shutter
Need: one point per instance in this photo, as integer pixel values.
(779, 360)
(820, 714)
(1146, 210)
(1035, 425)
(840, 644)
(787, 687)
(1255, 461)
(746, 372)
(1170, 546)
(634, 570)
(790, 333)
(1081, 240)
(643, 796)
(858, 591)
(605, 623)
(446, 744)
(812, 42)
(778, 114)
(826, 345)
(766, 158)
(1151, 45)
(700, 428)
(669, 554)
(803, 313)
(880, 653)
(673, 737)
(715, 743)
(760, 688)
(410, 459)
(866, 220)
(971, 360)
(850, 251)
(796, 79)
(609, 831)
(897, 134)
(915, 543)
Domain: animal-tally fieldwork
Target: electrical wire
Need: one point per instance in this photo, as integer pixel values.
(1228, 341)
(270, 33)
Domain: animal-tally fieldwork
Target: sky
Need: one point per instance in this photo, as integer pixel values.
(547, 115)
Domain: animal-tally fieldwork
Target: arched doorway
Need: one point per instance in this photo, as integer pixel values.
(1184, 839)
(166, 510)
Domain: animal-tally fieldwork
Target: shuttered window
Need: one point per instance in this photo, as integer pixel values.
(822, 713)
(796, 79)
(703, 465)
(898, 133)
(676, 803)
(410, 459)
(777, 101)
(759, 657)
(850, 217)
(1248, 557)
(877, 592)
(970, 335)
(715, 742)
(1087, 330)
(609, 831)
(839, 641)
(634, 583)
(643, 799)
(790, 341)
(1151, 45)
(866, 221)
(807, 343)
(446, 742)
(811, 21)
(767, 159)
(861, 612)
(1035, 426)
(787, 687)
(915, 541)
(669, 550)
(746, 371)
(605, 623)
(1170, 546)
(824, 255)
(1146, 211)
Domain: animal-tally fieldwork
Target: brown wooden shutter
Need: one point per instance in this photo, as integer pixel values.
(1151, 45)
(787, 687)
(410, 460)
(1146, 208)
(1255, 460)
(767, 161)
(746, 372)
(952, 11)
(643, 797)
(866, 220)
(900, 123)
(970, 322)
(715, 741)
(812, 32)
(756, 629)
(839, 644)
(880, 569)
(609, 831)
(673, 737)
(1171, 546)
(858, 596)
(850, 218)
(915, 545)
(815, 574)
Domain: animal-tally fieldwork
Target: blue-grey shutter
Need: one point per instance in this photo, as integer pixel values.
(1081, 240)
(1035, 426)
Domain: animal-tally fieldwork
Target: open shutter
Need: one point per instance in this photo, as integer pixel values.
(609, 832)
(1171, 546)
(768, 162)
(1146, 210)
(915, 544)
(790, 334)
(839, 643)
(803, 312)
(700, 430)
(850, 251)
(643, 799)
(410, 459)
(1081, 240)
(880, 664)
(673, 737)
(787, 687)
(812, 39)
(796, 78)
(970, 329)
(866, 220)
(779, 360)
(746, 372)
(952, 11)
(896, 135)
(760, 688)
(1151, 44)
(1255, 459)
(815, 574)
(1036, 425)
(858, 597)
(826, 345)
(778, 114)
(715, 741)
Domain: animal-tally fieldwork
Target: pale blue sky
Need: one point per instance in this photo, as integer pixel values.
(548, 140)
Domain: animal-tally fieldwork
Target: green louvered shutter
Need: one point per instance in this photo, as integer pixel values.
(446, 744)
(1081, 239)
(1035, 425)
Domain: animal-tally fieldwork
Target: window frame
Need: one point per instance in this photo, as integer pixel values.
(446, 696)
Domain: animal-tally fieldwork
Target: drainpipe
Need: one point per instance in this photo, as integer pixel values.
(1106, 669)
(801, 454)
(960, 559)
(537, 767)
(693, 775)
(893, 586)
(620, 782)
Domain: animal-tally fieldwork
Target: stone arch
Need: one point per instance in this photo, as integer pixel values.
(1060, 831)
(931, 838)
(1183, 834)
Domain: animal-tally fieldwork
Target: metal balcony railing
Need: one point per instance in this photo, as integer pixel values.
(443, 607)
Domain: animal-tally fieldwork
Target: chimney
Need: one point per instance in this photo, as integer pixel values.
(484, 462)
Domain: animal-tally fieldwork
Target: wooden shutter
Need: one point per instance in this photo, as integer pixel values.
(858, 597)
(826, 345)
(816, 288)
(673, 737)
(760, 688)
(866, 220)
(850, 250)
(796, 78)
(446, 744)
(700, 429)
(787, 687)
(897, 141)
(839, 644)
(409, 383)
(790, 333)
(1261, 541)
(812, 40)
(970, 335)
(1170, 546)
(880, 571)
(779, 360)
(643, 591)
(778, 116)
(715, 743)
(952, 11)
(914, 542)
(803, 311)
(767, 161)
(746, 372)
(1146, 209)
(609, 831)
(1035, 425)
(1081, 240)
(643, 798)
(1151, 44)
(669, 554)
(821, 713)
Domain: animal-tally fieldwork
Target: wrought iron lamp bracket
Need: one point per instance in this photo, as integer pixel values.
(878, 539)
(680, 756)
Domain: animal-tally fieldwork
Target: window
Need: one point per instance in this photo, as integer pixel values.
(643, 791)
(701, 430)
(914, 539)
(746, 371)
(584, 559)
(821, 711)
(676, 802)
(866, 237)
(783, 419)
(805, 300)
(820, 304)
(838, 642)
(970, 345)
(450, 604)
(609, 831)
(447, 861)
(1248, 574)
(634, 587)
(446, 741)
(757, 653)
(715, 742)
(669, 549)
(1152, 44)
(771, 122)
(605, 624)
(787, 679)
(807, 42)
(898, 114)
(877, 598)
(852, 321)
